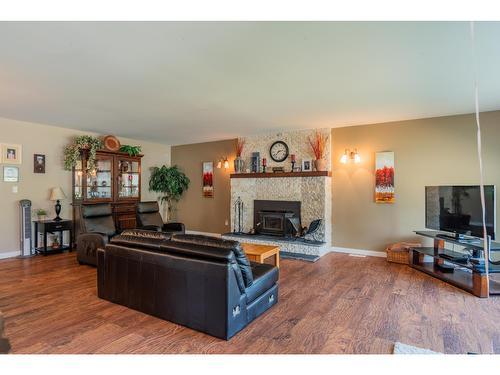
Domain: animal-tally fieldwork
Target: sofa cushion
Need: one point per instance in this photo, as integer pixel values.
(149, 243)
(234, 246)
(264, 277)
(204, 252)
(96, 210)
(147, 207)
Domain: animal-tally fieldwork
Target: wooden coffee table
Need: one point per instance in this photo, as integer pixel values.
(260, 253)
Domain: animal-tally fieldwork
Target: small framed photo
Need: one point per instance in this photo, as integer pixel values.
(10, 174)
(11, 154)
(38, 163)
(307, 165)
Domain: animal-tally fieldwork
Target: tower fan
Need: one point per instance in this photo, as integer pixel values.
(25, 217)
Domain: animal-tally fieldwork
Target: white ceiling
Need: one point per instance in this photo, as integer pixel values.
(186, 82)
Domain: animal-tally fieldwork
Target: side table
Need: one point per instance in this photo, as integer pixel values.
(51, 226)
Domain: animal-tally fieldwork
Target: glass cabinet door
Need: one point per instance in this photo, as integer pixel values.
(128, 178)
(78, 181)
(99, 181)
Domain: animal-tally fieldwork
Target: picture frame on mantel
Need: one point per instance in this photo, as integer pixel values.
(307, 165)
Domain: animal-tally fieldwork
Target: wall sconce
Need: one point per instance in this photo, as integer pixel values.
(221, 162)
(350, 155)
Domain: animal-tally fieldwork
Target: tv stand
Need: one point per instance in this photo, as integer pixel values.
(468, 273)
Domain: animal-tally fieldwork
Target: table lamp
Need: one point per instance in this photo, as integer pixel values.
(56, 195)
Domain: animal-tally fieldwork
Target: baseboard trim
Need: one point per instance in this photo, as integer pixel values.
(10, 254)
(203, 233)
(370, 253)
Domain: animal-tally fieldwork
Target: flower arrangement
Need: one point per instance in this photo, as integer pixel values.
(239, 147)
(318, 144)
(72, 152)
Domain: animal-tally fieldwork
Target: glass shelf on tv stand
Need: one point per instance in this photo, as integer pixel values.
(472, 243)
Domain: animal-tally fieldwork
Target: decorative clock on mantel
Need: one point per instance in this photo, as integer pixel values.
(278, 151)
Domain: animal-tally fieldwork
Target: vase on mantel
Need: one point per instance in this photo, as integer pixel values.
(320, 165)
(239, 165)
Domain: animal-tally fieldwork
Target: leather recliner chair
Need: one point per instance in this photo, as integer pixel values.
(98, 227)
(148, 217)
(204, 283)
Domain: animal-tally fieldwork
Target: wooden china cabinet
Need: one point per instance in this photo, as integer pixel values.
(115, 180)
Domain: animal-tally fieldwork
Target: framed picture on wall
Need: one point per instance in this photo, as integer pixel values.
(384, 177)
(11, 154)
(10, 174)
(208, 179)
(38, 163)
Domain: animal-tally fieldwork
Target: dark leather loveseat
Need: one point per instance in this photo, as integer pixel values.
(204, 283)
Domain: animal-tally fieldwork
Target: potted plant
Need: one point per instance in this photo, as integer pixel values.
(239, 163)
(318, 145)
(73, 151)
(55, 242)
(131, 150)
(41, 214)
(170, 183)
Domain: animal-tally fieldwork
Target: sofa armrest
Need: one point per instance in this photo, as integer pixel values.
(174, 227)
(87, 245)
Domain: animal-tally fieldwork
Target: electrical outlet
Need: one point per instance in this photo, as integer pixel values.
(226, 223)
(15, 189)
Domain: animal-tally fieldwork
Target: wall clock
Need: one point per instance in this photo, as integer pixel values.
(279, 151)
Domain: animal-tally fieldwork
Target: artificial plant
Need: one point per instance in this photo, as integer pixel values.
(170, 183)
(131, 150)
(72, 152)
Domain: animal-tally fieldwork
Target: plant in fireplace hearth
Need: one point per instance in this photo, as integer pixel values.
(170, 183)
(318, 144)
(239, 163)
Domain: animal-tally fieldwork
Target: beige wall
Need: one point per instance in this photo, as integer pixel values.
(50, 140)
(434, 151)
(195, 211)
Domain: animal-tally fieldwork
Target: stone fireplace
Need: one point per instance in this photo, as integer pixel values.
(312, 192)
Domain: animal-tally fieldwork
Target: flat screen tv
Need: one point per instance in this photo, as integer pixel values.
(457, 209)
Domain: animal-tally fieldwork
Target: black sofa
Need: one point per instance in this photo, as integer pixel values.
(148, 217)
(203, 283)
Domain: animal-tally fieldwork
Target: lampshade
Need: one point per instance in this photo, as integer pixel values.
(56, 194)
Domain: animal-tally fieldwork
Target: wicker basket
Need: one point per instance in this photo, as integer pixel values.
(399, 252)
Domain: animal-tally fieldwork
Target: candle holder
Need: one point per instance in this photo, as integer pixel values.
(263, 168)
(292, 159)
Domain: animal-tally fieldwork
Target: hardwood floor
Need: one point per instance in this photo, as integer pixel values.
(340, 304)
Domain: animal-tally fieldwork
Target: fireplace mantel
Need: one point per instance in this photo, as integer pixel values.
(282, 174)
